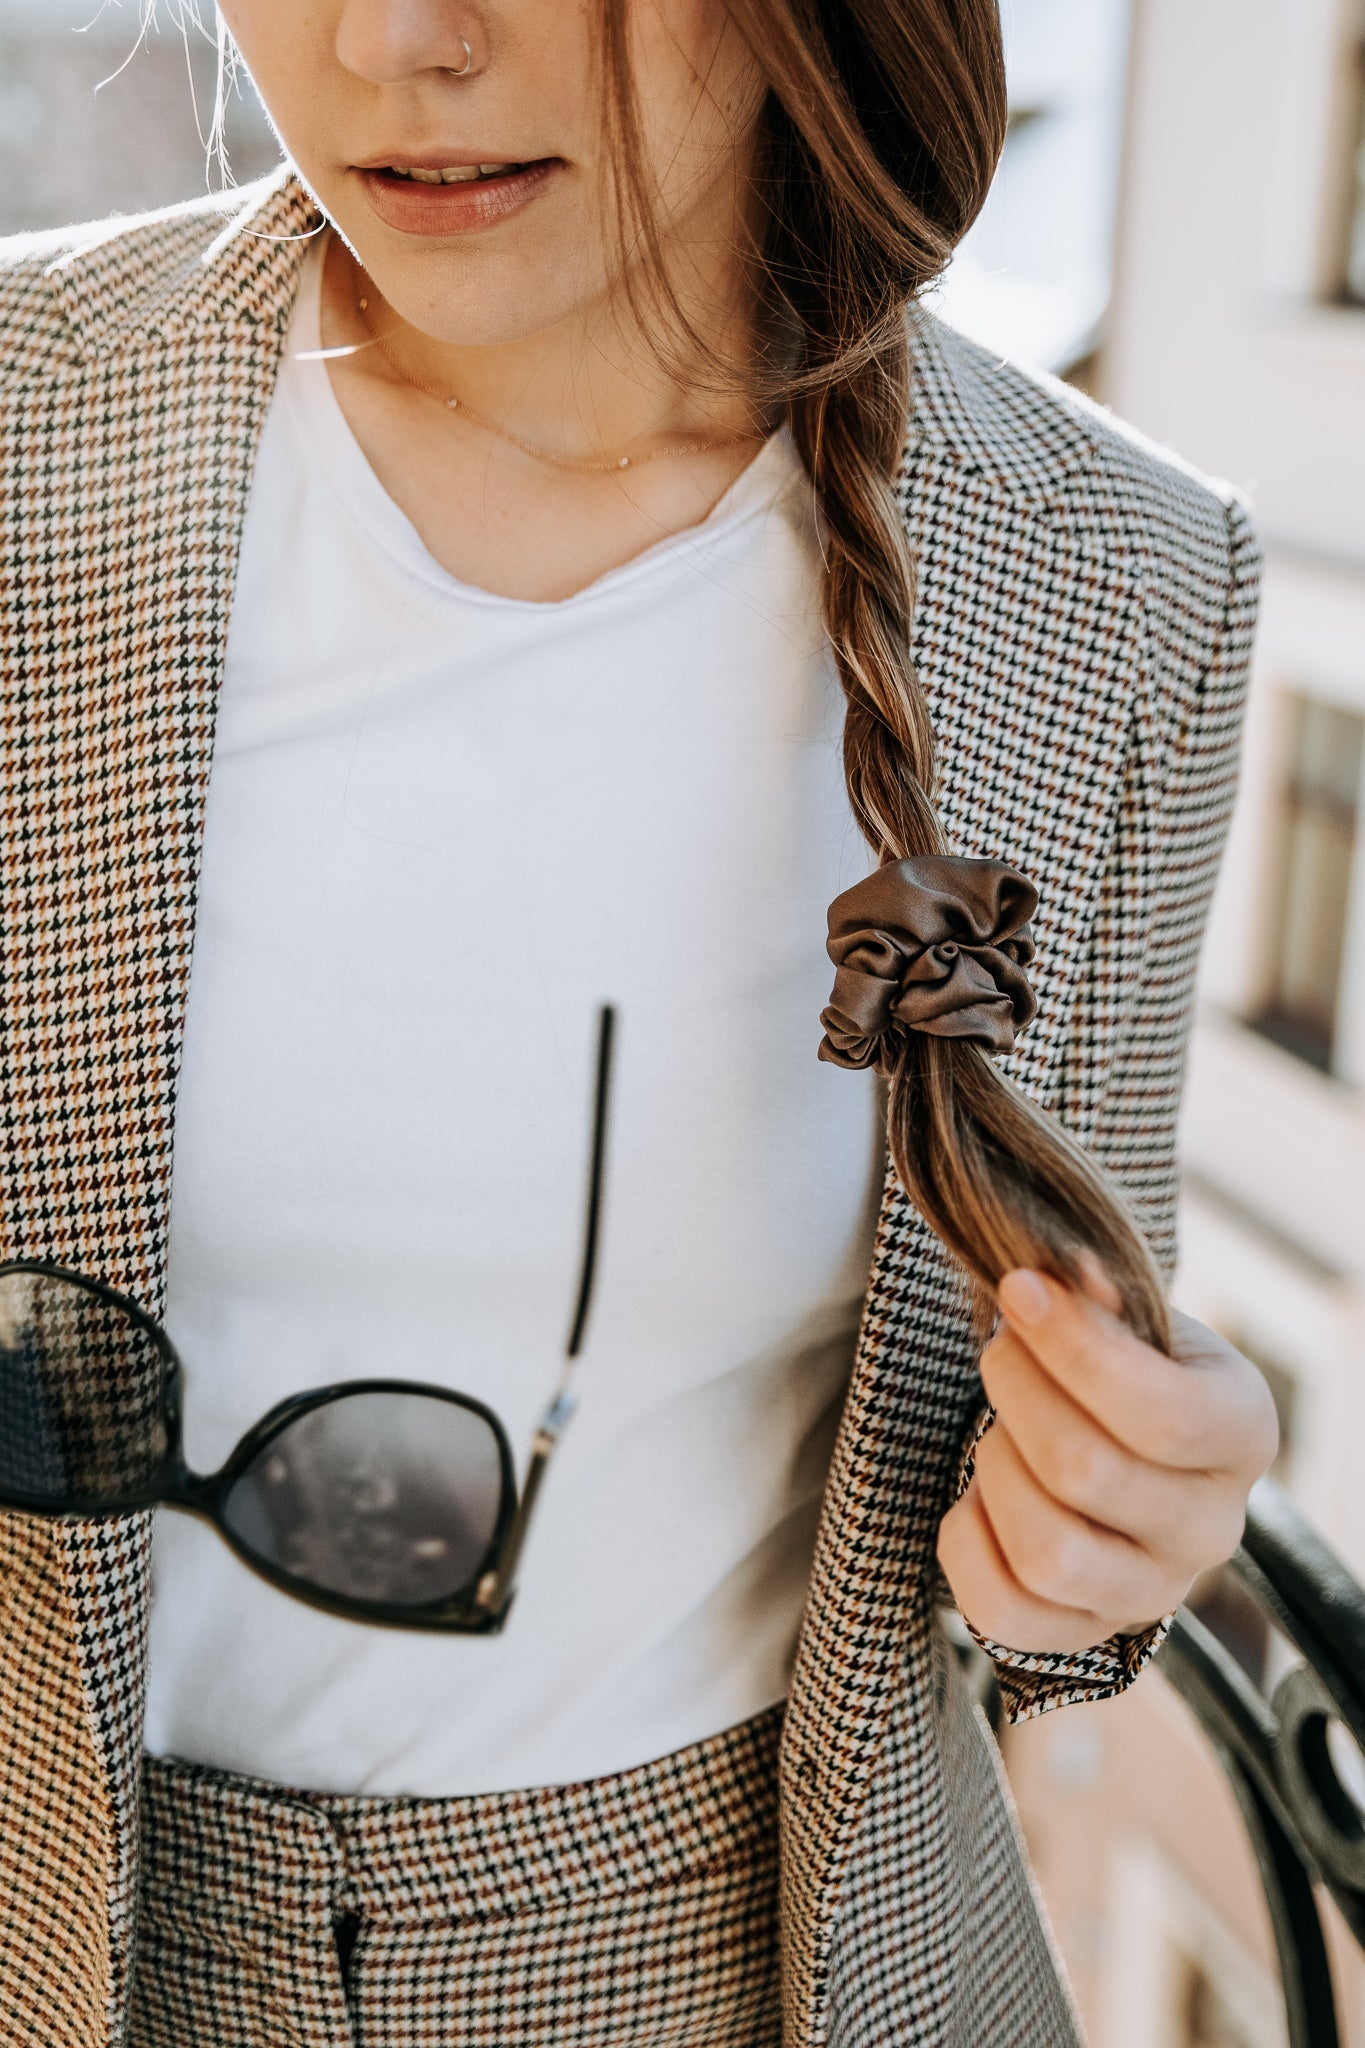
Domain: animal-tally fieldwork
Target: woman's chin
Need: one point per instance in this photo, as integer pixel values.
(486, 291)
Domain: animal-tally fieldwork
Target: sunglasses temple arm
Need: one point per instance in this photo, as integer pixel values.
(497, 1585)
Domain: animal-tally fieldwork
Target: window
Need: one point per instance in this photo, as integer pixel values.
(1355, 237)
(1032, 279)
(1322, 802)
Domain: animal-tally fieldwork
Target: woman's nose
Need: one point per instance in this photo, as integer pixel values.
(388, 41)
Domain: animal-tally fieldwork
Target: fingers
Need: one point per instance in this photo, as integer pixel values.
(1063, 1557)
(1112, 1475)
(994, 1600)
(1073, 1559)
(1205, 1410)
(1191, 1519)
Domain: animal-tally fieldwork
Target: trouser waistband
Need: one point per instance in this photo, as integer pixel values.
(533, 1919)
(494, 1852)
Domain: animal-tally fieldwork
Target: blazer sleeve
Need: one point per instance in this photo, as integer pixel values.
(1133, 1126)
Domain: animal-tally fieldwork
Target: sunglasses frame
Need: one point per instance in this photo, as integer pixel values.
(480, 1608)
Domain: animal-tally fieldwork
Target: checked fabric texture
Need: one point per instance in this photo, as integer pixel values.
(1083, 628)
(638, 1911)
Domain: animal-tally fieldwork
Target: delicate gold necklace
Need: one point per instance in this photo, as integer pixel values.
(585, 464)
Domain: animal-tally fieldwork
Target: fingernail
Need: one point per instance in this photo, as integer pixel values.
(1024, 1296)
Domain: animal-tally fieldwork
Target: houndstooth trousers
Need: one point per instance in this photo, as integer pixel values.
(636, 1911)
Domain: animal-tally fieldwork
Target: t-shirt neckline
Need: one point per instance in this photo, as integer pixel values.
(332, 447)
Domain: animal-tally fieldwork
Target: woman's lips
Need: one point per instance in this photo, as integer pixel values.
(418, 209)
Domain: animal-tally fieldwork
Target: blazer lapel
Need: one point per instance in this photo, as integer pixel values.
(135, 465)
(1030, 638)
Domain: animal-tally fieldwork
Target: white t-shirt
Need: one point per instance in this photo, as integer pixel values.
(443, 827)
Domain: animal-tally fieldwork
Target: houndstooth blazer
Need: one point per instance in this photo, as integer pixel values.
(1084, 620)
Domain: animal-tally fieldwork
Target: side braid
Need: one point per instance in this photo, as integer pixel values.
(881, 130)
(1001, 1182)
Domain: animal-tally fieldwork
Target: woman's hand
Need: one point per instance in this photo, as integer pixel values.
(1111, 1477)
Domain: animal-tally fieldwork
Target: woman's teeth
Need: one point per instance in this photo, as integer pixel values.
(455, 174)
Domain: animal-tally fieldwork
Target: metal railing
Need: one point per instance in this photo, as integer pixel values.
(1290, 1749)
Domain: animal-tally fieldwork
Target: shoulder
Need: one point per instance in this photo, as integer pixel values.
(135, 237)
(70, 293)
(124, 257)
(1052, 457)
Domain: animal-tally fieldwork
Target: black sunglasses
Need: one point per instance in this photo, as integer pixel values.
(383, 1500)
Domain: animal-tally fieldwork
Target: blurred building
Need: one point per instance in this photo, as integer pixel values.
(1235, 334)
(1034, 278)
(101, 114)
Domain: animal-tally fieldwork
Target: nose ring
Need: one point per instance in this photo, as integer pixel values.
(468, 64)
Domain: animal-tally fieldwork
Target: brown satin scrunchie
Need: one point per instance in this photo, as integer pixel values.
(936, 944)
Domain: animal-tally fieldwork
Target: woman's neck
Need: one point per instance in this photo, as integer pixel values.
(586, 388)
(492, 512)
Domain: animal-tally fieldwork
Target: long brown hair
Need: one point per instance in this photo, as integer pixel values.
(880, 134)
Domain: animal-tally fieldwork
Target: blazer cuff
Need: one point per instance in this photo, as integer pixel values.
(1034, 1682)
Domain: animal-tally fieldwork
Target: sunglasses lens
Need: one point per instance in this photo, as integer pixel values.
(382, 1497)
(81, 1389)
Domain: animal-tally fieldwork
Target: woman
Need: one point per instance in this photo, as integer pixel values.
(520, 501)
